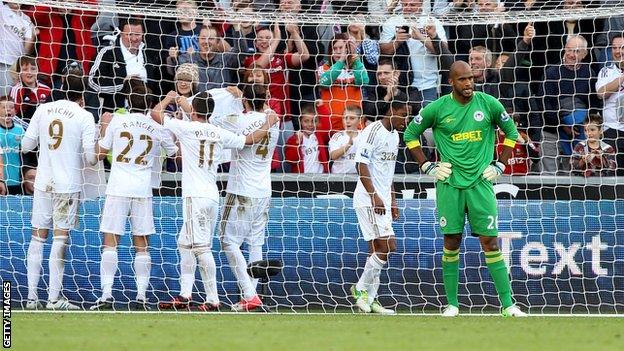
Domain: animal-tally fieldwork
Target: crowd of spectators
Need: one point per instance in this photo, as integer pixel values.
(559, 79)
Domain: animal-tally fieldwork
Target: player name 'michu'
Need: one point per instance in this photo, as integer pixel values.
(138, 124)
(61, 111)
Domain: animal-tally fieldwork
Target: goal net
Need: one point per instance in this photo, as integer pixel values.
(555, 66)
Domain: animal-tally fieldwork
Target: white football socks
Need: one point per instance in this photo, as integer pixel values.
(369, 280)
(208, 271)
(57, 266)
(237, 263)
(108, 269)
(33, 265)
(142, 269)
(188, 263)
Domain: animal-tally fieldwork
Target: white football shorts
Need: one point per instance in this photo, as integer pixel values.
(55, 210)
(244, 219)
(373, 225)
(200, 218)
(117, 209)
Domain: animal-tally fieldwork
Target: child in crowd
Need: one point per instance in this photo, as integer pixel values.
(342, 144)
(306, 150)
(593, 157)
(28, 93)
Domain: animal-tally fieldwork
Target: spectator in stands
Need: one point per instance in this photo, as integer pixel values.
(520, 162)
(125, 58)
(316, 38)
(28, 93)
(341, 78)
(341, 149)
(367, 48)
(559, 32)
(11, 134)
(64, 34)
(305, 151)
(497, 37)
(178, 103)
(612, 25)
(566, 91)
(241, 35)
(91, 101)
(278, 66)
(185, 38)
(216, 62)
(413, 51)
(593, 157)
(502, 81)
(258, 75)
(610, 88)
(17, 38)
(377, 98)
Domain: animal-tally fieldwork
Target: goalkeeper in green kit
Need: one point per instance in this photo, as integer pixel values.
(464, 128)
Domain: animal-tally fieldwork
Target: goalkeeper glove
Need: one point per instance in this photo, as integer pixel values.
(494, 171)
(440, 170)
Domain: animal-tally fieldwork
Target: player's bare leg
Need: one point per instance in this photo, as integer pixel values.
(34, 258)
(57, 270)
(365, 291)
(108, 269)
(142, 269)
(450, 273)
(500, 276)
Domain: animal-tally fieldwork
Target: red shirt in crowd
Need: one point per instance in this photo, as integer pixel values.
(27, 99)
(278, 80)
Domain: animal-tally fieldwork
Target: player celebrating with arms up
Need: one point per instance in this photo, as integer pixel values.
(464, 128)
(201, 145)
(374, 201)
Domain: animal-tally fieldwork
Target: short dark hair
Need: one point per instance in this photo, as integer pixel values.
(139, 95)
(129, 20)
(594, 118)
(6, 98)
(255, 95)
(23, 61)
(614, 36)
(385, 61)
(308, 108)
(397, 105)
(76, 85)
(203, 105)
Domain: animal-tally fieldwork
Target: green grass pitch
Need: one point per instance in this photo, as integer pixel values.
(274, 332)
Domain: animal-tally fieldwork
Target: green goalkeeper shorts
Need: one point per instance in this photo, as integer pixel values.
(478, 202)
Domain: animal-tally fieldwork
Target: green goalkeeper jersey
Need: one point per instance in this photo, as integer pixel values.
(465, 135)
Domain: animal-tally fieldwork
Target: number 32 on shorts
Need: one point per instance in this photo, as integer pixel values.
(492, 222)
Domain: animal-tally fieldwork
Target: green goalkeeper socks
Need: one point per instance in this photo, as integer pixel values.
(450, 275)
(500, 275)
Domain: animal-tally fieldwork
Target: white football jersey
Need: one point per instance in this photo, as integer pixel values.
(250, 171)
(201, 145)
(136, 141)
(225, 115)
(346, 163)
(377, 148)
(65, 131)
(310, 149)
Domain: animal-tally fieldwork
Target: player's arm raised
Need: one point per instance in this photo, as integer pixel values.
(106, 141)
(263, 131)
(425, 119)
(504, 121)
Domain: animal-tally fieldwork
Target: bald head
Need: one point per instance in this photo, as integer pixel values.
(458, 68)
(462, 80)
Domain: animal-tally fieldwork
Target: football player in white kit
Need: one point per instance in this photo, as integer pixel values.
(374, 201)
(64, 131)
(201, 145)
(136, 142)
(248, 195)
